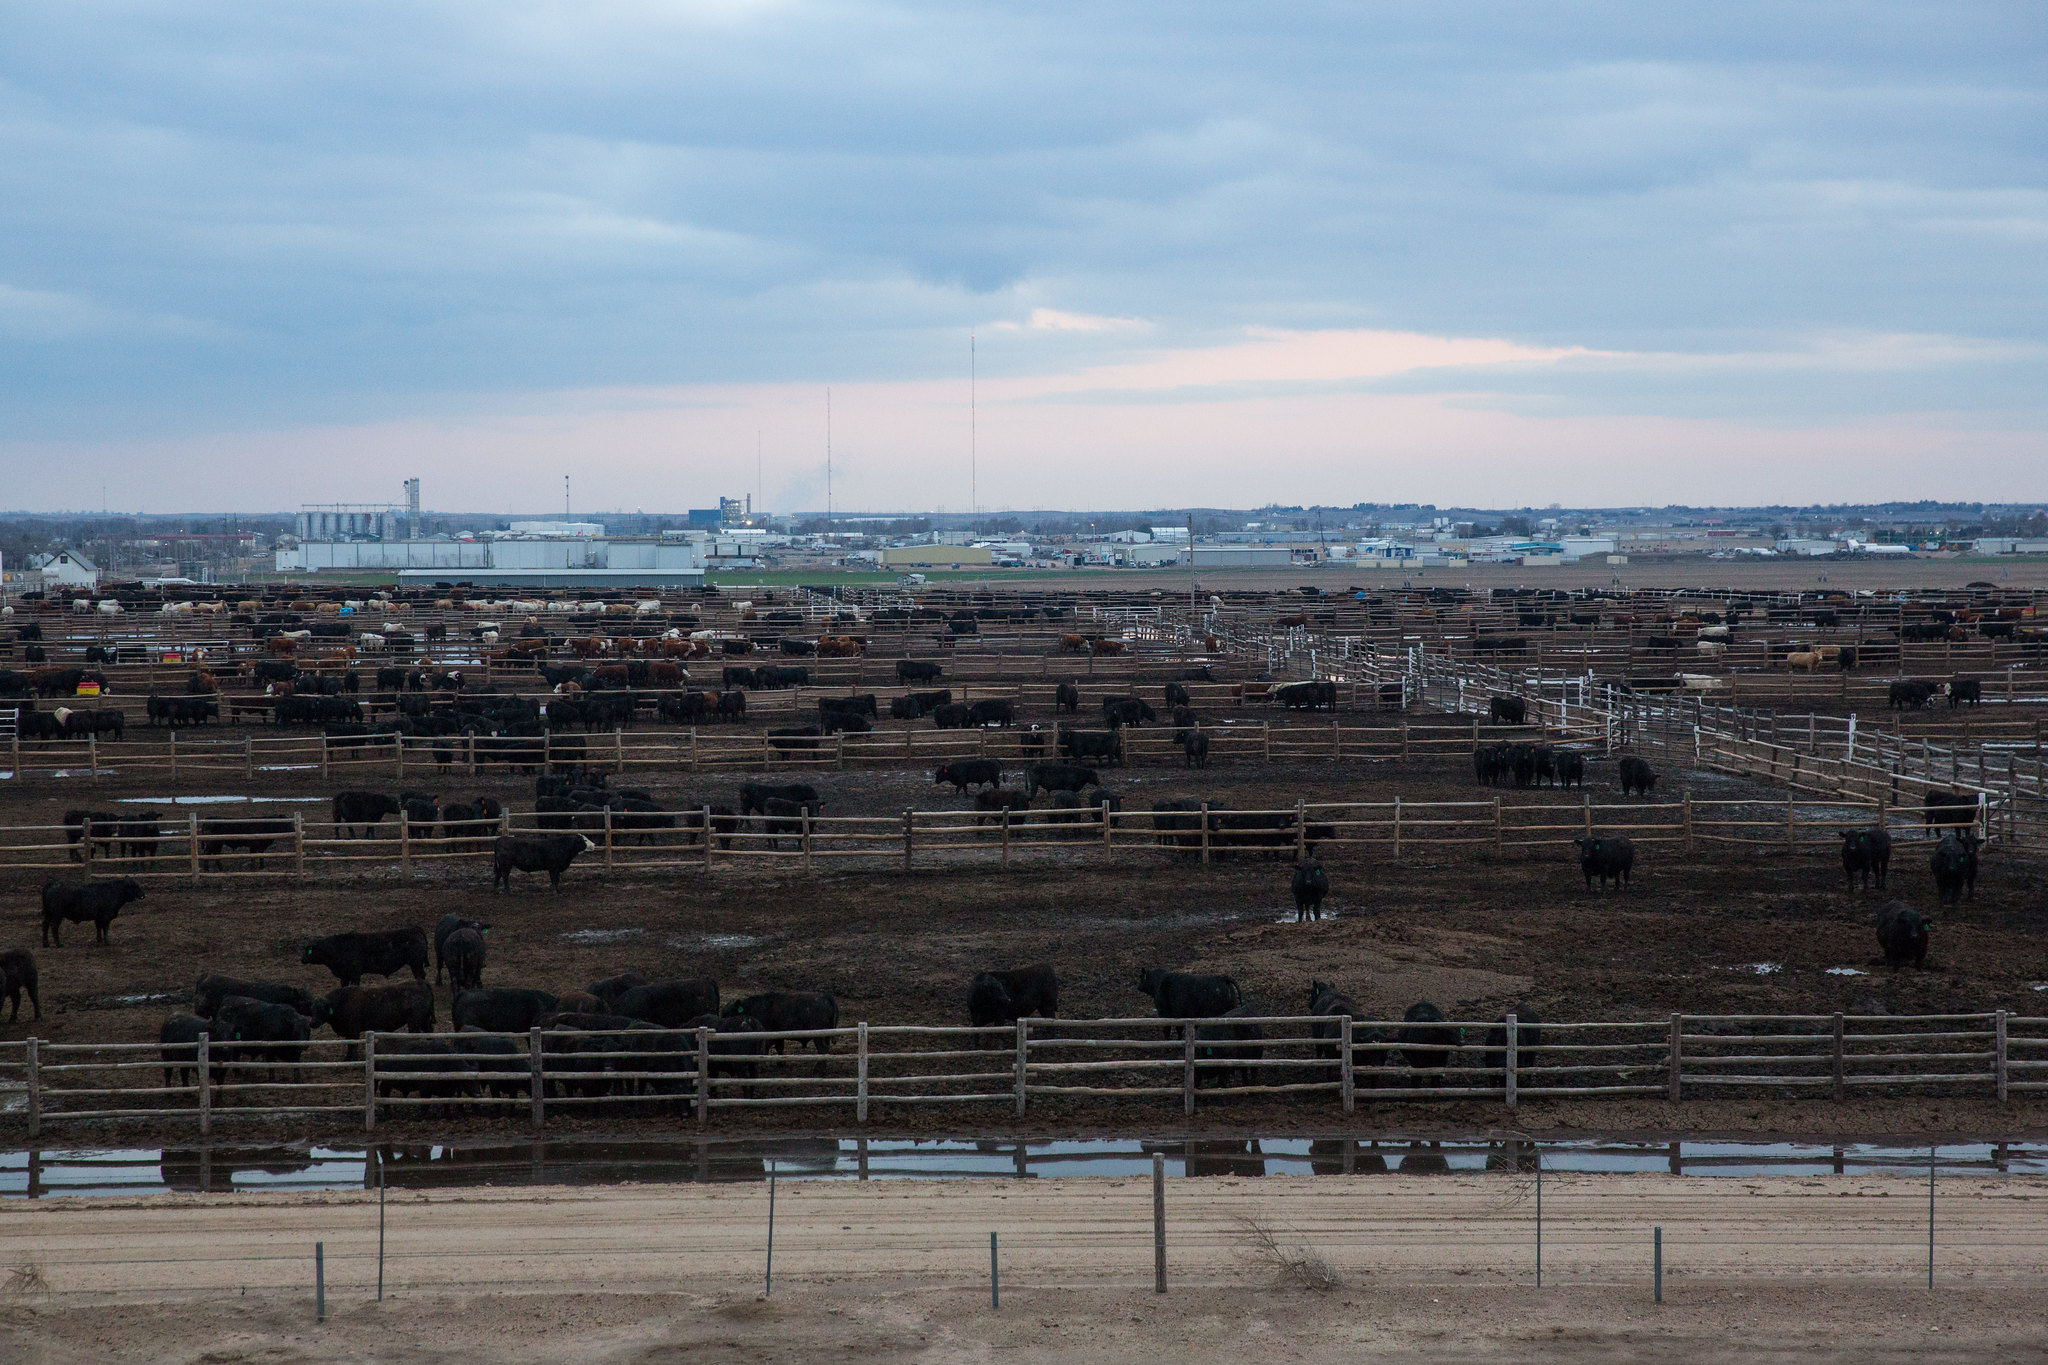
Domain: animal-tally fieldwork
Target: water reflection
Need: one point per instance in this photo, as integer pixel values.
(50, 1171)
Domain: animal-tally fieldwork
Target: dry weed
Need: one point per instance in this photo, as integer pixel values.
(1297, 1263)
(26, 1279)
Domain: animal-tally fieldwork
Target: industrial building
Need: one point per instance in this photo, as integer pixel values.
(936, 556)
(541, 562)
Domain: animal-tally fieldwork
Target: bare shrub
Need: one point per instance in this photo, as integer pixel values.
(26, 1279)
(1296, 1262)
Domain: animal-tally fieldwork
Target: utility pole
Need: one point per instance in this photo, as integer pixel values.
(1194, 608)
(565, 497)
(973, 440)
(828, 461)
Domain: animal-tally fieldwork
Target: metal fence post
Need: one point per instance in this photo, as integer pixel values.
(1511, 1065)
(1023, 1061)
(319, 1281)
(1657, 1271)
(860, 1063)
(995, 1289)
(539, 1079)
(1930, 1216)
(768, 1287)
(205, 1059)
(369, 1081)
(1677, 1027)
(35, 1087)
(1346, 1065)
(703, 1075)
(1539, 1215)
(1159, 1222)
(1998, 1061)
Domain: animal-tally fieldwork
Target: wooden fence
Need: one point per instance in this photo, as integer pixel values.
(749, 749)
(1067, 1063)
(296, 843)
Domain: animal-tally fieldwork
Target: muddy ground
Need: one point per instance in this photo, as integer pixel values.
(1724, 930)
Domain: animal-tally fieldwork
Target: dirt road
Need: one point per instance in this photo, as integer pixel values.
(1419, 1267)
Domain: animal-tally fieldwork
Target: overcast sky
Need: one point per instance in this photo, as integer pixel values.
(257, 255)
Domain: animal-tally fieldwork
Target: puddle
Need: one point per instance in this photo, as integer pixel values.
(122, 1001)
(719, 942)
(602, 936)
(117, 1171)
(219, 800)
(1764, 968)
(1847, 971)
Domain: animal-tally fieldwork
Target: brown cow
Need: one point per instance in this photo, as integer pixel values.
(664, 674)
(1073, 644)
(838, 647)
(282, 646)
(1105, 646)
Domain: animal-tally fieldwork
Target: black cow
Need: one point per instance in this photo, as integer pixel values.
(612, 987)
(253, 837)
(1902, 935)
(245, 1021)
(1528, 1039)
(905, 707)
(1507, 710)
(1637, 776)
(1328, 1003)
(787, 818)
(789, 1011)
(1227, 1053)
(671, 1004)
(1057, 777)
(1182, 995)
(732, 706)
(98, 901)
(501, 1009)
(1609, 858)
(465, 956)
(1571, 768)
(353, 1011)
(549, 853)
(1177, 695)
(1953, 862)
(732, 678)
(995, 711)
(1311, 887)
(952, 716)
(1312, 696)
(1066, 697)
(1107, 745)
(1194, 747)
(917, 670)
(90, 832)
(1945, 808)
(754, 796)
(425, 1069)
(1007, 996)
(1866, 853)
(211, 989)
(500, 1065)
(18, 974)
(353, 955)
(1121, 711)
(1911, 694)
(862, 705)
(969, 772)
(1962, 690)
(1425, 1044)
(178, 1045)
(140, 834)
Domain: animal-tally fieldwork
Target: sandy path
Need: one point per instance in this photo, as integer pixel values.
(1823, 1268)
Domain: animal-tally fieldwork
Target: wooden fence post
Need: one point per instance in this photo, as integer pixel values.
(174, 756)
(193, 821)
(404, 841)
(1842, 1059)
(1404, 739)
(248, 756)
(1300, 829)
(1006, 836)
(619, 749)
(205, 1058)
(1998, 1058)
(909, 825)
(1688, 819)
(1205, 833)
(534, 1059)
(1587, 799)
(860, 1062)
(1023, 1060)
(35, 1087)
(1397, 829)
(1187, 1069)
(1499, 833)
(469, 747)
(370, 1082)
(1677, 1028)
(398, 756)
(323, 757)
(806, 833)
(1347, 1077)
(607, 838)
(1108, 848)
(703, 1075)
(1789, 843)
(1510, 1076)
(299, 842)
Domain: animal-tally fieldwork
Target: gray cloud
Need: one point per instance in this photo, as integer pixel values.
(218, 217)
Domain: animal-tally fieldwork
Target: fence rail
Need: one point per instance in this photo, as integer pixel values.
(302, 845)
(696, 1073)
